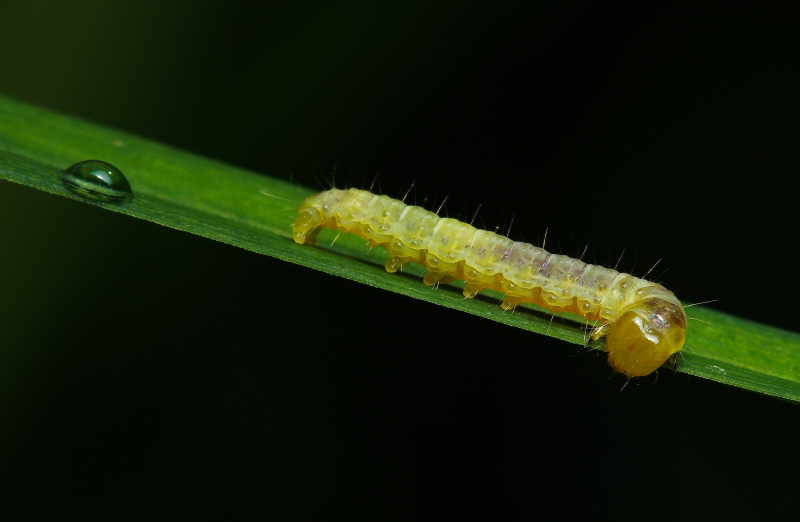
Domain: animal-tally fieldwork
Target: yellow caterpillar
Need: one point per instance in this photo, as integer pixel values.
(644, 322)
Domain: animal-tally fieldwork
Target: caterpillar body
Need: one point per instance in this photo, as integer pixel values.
(645, 323)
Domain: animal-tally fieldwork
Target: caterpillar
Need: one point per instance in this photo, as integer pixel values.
(644, 323)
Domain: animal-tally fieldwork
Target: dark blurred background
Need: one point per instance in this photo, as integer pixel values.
(144, 370)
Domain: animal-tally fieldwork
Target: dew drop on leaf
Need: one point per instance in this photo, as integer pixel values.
(98, 181)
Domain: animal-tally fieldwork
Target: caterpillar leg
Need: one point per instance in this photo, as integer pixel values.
(471, 290)
(510, 302)
(475, 281)
(395, 263)
(600, 331)
(673, 361)
(442, 278)
(307, 226)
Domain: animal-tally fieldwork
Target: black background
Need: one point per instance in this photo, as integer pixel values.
(145, 370)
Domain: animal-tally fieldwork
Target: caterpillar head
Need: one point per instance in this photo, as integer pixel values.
(644, 335)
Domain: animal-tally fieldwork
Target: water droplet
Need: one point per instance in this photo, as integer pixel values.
(97, 180)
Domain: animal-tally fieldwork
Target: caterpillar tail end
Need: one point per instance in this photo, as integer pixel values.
(307, 226)
(645, 336)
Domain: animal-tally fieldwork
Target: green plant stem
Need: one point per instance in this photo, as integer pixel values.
(251, 211)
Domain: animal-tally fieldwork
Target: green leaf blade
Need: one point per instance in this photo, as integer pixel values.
(251, 211)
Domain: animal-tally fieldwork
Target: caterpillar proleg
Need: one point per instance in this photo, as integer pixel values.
(644, 323)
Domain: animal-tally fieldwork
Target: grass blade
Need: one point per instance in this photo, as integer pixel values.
(251, 211)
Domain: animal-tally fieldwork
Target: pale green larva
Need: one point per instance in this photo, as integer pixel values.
(644, 322)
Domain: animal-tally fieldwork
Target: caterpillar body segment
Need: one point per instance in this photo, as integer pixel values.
(644, 322)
